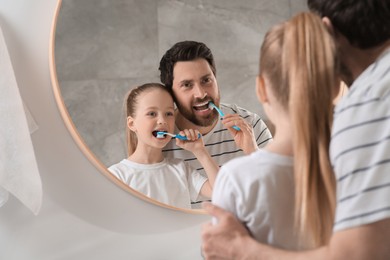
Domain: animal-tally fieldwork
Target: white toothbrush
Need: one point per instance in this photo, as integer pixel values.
(221, 114)
(161, 135)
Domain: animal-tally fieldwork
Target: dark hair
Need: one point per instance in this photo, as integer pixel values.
(131, 108)
(365, 23)
(183, 51)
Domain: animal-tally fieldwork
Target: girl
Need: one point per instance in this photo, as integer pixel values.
(295, 85)
(150, 109)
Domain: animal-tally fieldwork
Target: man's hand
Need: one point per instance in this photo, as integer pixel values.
(228, 239)
(224, 239)
(245, 138)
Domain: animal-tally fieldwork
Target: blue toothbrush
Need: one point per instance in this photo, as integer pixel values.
(161, 135)
(221, 114)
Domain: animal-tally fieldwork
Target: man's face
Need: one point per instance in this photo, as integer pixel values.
(194, 86)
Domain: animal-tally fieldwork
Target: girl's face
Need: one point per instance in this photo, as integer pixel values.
(154, 112)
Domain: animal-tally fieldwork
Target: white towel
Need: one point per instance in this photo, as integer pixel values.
(19, 173)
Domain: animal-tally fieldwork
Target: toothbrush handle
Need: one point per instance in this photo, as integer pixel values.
(221, 114)
(236, 127)
(181, 137)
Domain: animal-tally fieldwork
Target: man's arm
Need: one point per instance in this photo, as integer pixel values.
(228, 239)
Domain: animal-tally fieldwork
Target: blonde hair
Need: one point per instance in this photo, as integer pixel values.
(132, 100)
(298, 59)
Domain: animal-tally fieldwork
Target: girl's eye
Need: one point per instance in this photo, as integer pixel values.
(169, 113)
(151, 114)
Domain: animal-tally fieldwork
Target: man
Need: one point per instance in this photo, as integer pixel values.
(188, 70)
(360, 147)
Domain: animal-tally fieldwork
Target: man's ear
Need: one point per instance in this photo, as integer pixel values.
(130, 124)
(328, 25)
(261, 90)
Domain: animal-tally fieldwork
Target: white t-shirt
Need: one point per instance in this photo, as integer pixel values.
(360, 148)
(259, 190)
(171, 181)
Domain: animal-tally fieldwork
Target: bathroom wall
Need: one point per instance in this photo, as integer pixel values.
(106, 47)
(83, 214)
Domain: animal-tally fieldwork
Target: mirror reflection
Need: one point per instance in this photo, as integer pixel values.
(150, 115)
(104, 48)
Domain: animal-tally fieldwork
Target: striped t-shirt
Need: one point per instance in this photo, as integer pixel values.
(360, 148)
(219, 142)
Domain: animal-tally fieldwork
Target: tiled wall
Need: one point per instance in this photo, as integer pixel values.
(103, 48)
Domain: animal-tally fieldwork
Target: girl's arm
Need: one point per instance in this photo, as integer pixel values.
(196, 146)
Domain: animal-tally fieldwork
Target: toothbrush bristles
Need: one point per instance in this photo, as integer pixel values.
(161, 134)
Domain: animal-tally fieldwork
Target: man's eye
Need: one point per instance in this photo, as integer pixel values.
(187, 85)
(207, 80)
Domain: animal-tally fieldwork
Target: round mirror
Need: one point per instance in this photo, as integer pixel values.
(103, 48)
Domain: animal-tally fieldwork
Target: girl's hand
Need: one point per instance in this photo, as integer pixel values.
(194, 144)
(244, 138)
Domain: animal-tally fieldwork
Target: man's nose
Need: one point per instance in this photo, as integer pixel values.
(199, 91)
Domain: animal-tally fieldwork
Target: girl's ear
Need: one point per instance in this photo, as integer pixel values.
(130, 124)
(261, 90)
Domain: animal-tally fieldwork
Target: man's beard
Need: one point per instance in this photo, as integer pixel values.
(197, 120)
(345, 74)
(342, 69)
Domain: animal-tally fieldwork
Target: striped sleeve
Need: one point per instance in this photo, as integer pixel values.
(360, 155)
(262, 133)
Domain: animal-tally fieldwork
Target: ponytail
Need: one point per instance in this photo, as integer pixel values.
(298, 59)
(308, 62)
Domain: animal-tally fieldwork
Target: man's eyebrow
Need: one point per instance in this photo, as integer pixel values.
(186, 81)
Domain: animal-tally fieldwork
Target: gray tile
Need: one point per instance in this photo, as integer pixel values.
(105, 47)
(106, 39)
(298, 6)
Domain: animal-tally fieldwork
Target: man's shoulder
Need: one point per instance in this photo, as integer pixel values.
(234, 109)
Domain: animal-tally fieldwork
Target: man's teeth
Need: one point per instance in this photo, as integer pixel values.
(202, 106)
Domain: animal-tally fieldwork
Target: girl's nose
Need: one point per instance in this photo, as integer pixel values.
(161, 120)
